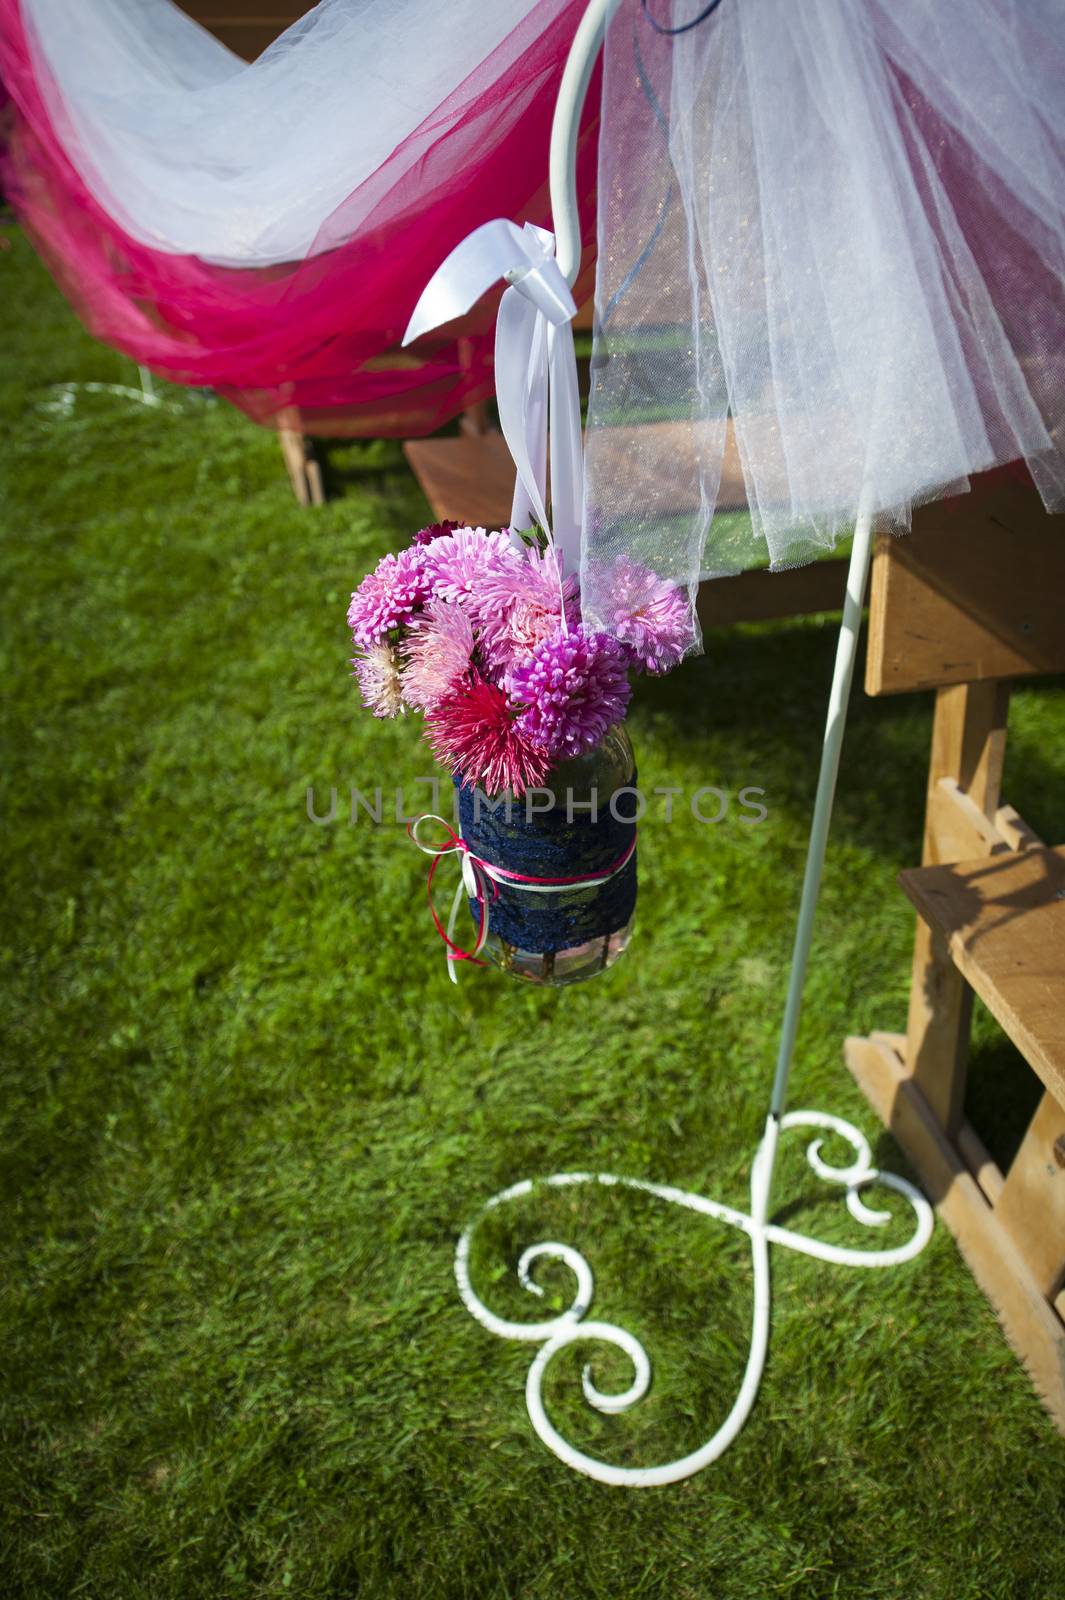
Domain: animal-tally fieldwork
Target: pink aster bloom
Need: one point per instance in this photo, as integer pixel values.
(648, 614)
(388, 597)
(437, 653)
(474, 732)
(574, 687)
(379, 680)
(516, 610)
(458, 565)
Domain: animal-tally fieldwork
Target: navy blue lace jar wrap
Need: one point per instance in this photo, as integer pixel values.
(547, 844)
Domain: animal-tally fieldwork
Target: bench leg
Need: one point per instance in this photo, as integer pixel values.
(1031, 1206)
(304, 473)
(968, 745)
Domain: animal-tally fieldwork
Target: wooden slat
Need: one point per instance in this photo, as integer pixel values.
(962, 831)
(968, 744)
(1003, 921)
(658, 462)
(468, 479)
(978, 1159)
(304, 471)
(453, 474)
(972, 593)
(973, 750)
(1034, 1328)
(968, 750)
(761, 596)
(1013, 828)
(1031, 1206)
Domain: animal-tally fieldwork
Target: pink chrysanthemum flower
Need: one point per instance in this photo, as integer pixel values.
(648, 614)
(474, 732)
(516, 610)
(435, 530)
(437, 653)
(574, 687)
(458, 565)
(388, 597)
(379, 681)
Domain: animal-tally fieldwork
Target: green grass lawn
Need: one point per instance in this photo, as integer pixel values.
(246, 1115)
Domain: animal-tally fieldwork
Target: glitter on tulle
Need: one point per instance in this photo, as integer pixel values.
(649, 615)
(574, 687)
(475, 732)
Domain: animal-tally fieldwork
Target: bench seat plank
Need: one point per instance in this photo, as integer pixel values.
(1003, 919)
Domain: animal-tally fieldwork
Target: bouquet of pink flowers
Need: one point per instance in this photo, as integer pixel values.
(482, 633)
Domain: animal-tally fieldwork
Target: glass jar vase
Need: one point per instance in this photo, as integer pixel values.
(579, 826)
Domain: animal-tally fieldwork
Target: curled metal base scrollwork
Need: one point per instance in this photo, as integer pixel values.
(572, 1325)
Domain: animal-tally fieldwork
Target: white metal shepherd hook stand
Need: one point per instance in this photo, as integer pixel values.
(555, 1333)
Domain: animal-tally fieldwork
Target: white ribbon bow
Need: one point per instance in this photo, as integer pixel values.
(535, 365)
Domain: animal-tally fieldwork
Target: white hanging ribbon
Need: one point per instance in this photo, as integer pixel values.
(535, 366)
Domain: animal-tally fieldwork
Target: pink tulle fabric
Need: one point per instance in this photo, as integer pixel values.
(320, 334)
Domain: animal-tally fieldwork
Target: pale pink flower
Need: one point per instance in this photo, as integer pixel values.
(436, 653)
(517, 610)
(379, 681)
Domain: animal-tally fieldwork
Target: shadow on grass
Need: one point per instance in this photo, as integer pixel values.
(1001, 1095)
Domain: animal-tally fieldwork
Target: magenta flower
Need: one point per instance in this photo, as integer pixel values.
(437, 653)
(435, 530)
(516, 610)
(474, 731)
(574, 687)
(648, 614)
(388, 597)
(379, 681)
(459, 564)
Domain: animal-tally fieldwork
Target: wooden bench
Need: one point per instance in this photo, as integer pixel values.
(966, 603)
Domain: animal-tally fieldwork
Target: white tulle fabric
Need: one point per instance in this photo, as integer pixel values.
(832, 242)
(197, 152)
